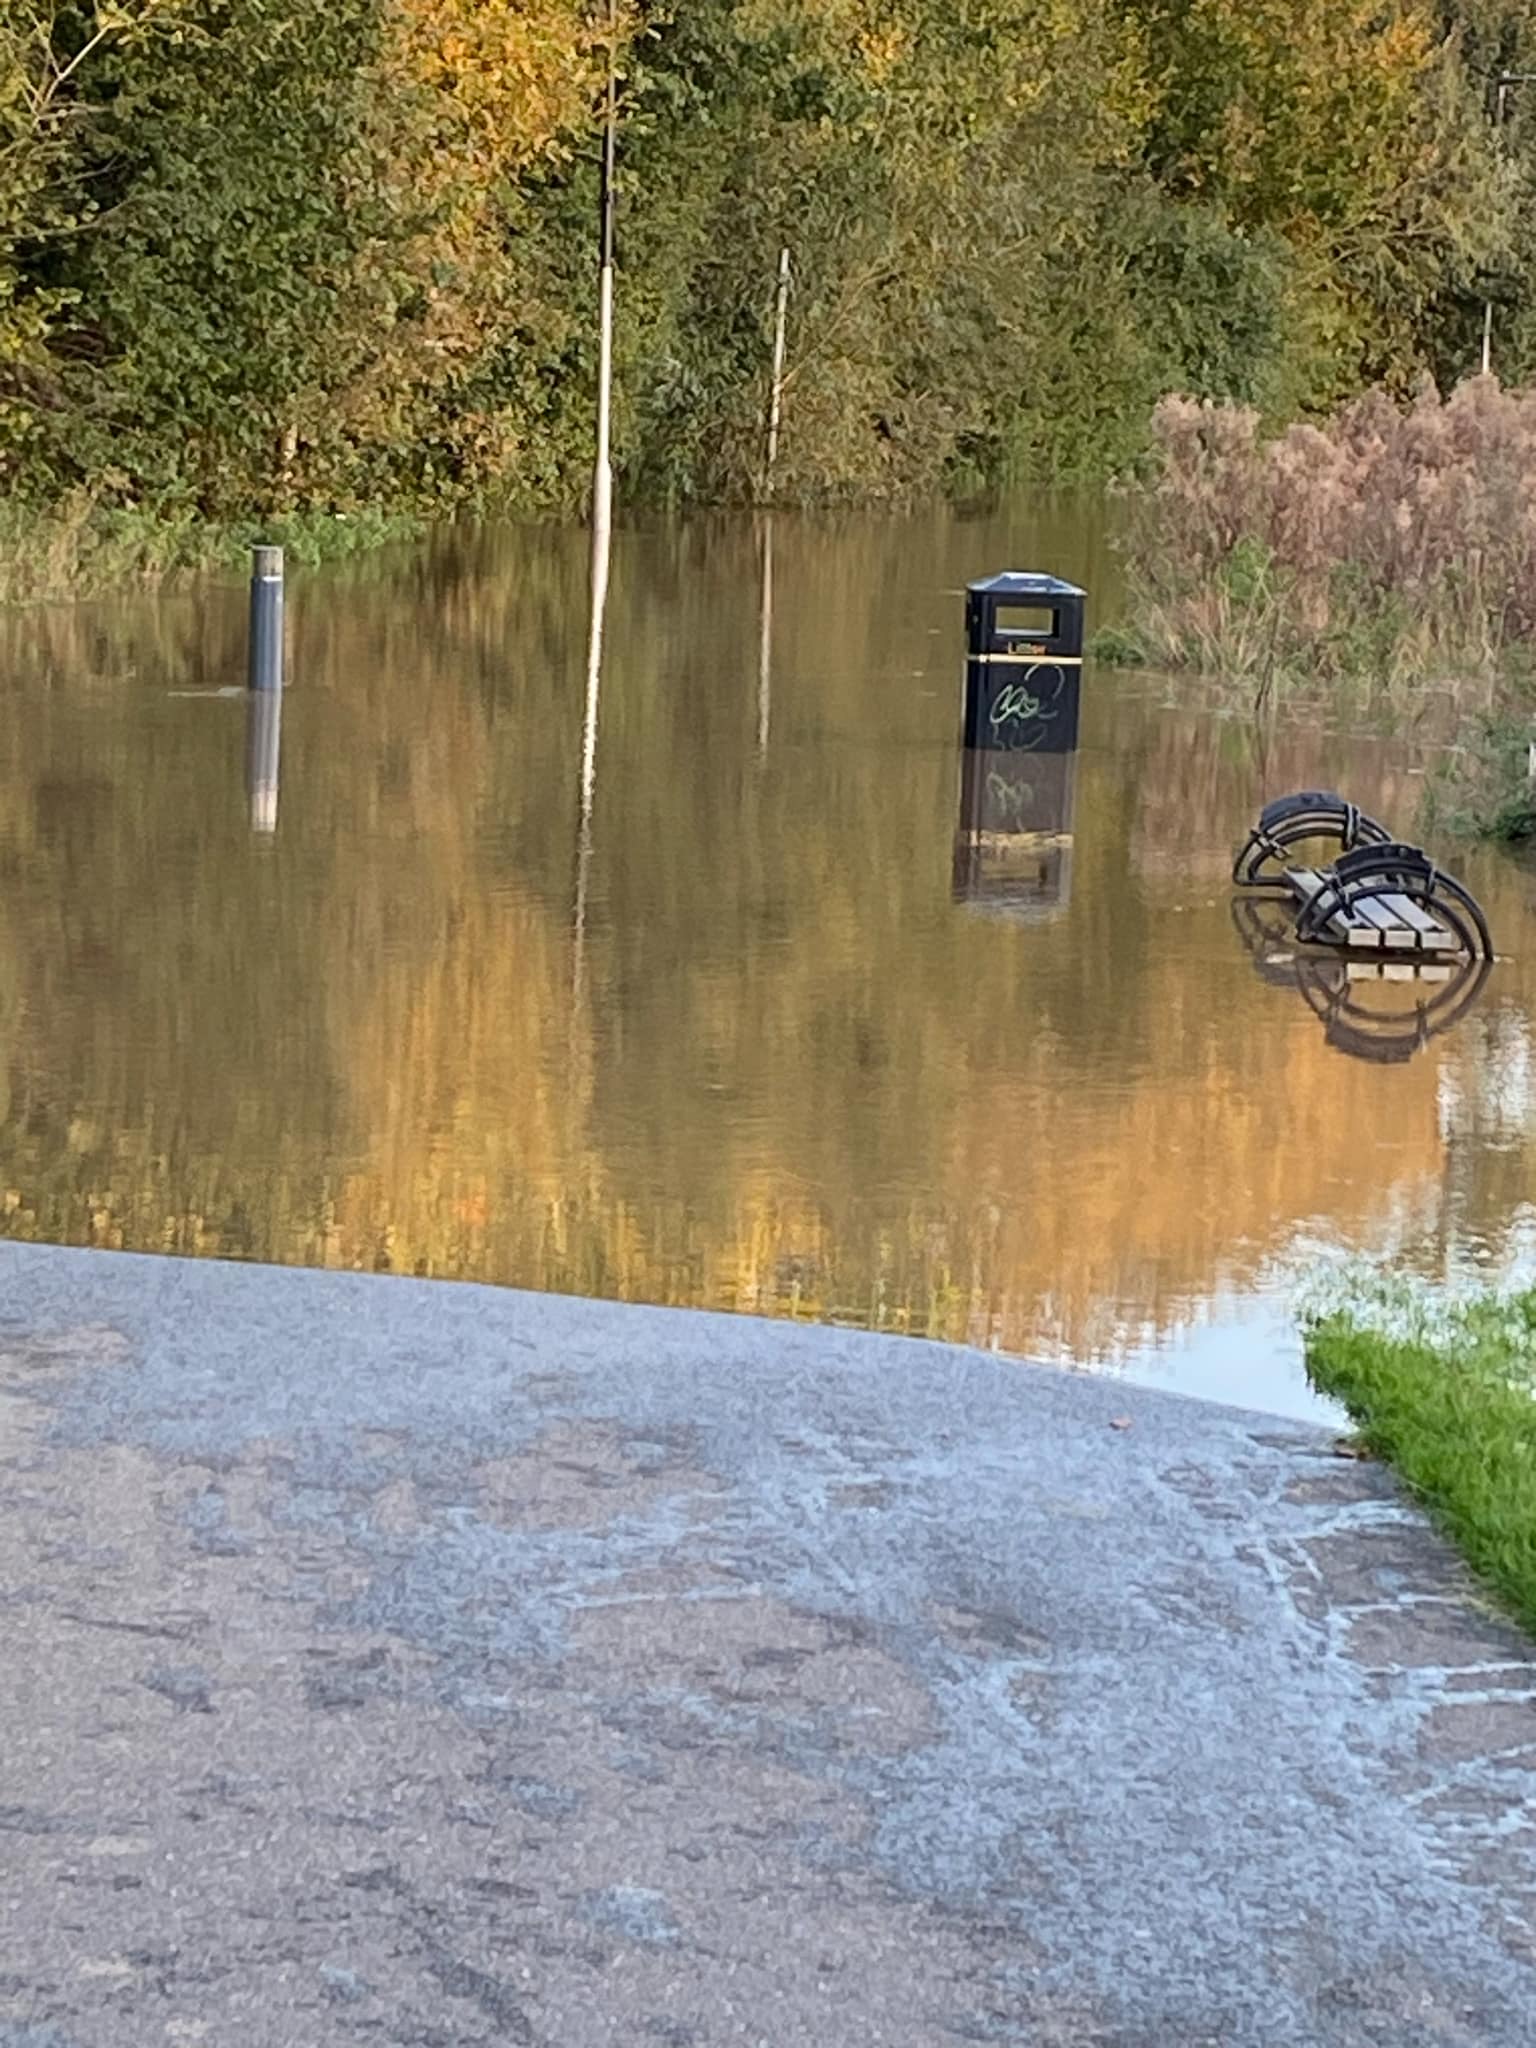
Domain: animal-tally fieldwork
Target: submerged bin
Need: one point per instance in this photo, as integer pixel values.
(1023, 663)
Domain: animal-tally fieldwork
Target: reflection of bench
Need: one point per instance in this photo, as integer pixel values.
(1377, 1006)
(1378, 894)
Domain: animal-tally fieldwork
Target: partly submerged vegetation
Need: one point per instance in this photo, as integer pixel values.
(83, 545)
(1386, 554)
(306, 258)
(1389, 544)
(1446, 1392)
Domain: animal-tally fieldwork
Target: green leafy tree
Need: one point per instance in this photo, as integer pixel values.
(269, 255)
(51, 54)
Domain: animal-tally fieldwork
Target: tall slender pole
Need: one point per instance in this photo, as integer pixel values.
(776, 393)
(775, 416)
(602, 476)
(602, 518)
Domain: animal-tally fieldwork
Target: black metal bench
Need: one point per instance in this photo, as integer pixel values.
(1377, 896)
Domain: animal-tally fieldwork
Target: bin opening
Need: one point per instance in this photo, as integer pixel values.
(1036, 619)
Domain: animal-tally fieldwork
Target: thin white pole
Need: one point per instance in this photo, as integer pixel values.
(602, 472)
(776, 395)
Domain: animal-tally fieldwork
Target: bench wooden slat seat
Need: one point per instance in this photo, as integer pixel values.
(1389, 919)
(1376, 1002)
(1408, 912)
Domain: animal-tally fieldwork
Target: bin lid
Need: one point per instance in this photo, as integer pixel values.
(1023, 584)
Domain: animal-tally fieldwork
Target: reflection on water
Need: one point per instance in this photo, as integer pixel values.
(263, 756)
(1013, 847)
(787, 1066)
(1372, 1008)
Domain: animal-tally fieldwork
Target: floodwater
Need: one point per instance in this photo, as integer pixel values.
(754, 1038)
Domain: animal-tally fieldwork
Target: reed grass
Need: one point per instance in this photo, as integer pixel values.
(1392, 545)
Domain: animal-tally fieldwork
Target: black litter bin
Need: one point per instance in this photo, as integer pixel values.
(1023, 663)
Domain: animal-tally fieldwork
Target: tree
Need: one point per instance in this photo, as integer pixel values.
(49, 53)
(1347, 127)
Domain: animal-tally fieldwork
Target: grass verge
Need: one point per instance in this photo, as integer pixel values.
(1448, 1397)
(81, 548)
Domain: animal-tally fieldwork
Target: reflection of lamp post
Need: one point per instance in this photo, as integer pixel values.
(1501, 105)
(765, 640)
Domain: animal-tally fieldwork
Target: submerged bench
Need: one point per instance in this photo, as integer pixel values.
(1379, 895)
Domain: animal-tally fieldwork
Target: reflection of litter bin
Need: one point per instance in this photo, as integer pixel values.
(1023, 663)
(1013, 847)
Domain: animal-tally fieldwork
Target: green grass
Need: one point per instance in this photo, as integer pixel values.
(1119, 646)
(81, 548)
(1447, 1395)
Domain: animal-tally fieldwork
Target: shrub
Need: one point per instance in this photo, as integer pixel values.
(1485, 785)
(1395, 544)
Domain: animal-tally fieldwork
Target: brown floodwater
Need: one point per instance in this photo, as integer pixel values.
(755, 1038)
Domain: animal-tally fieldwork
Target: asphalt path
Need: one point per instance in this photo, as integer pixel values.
(390, 1662)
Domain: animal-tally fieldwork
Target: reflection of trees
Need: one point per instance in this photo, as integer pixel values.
(799, 1079)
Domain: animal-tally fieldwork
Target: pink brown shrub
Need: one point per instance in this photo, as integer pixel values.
(1397, 538)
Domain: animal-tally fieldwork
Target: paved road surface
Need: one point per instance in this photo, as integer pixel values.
(390, 1663)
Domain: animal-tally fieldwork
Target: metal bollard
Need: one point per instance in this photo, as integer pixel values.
(266, 649)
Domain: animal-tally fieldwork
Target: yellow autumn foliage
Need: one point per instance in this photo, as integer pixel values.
(506, 81)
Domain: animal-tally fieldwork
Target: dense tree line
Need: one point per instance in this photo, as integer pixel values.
(266, 255)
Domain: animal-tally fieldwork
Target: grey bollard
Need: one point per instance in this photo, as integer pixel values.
(266, 651)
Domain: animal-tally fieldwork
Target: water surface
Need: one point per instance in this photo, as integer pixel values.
(756, 1040)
